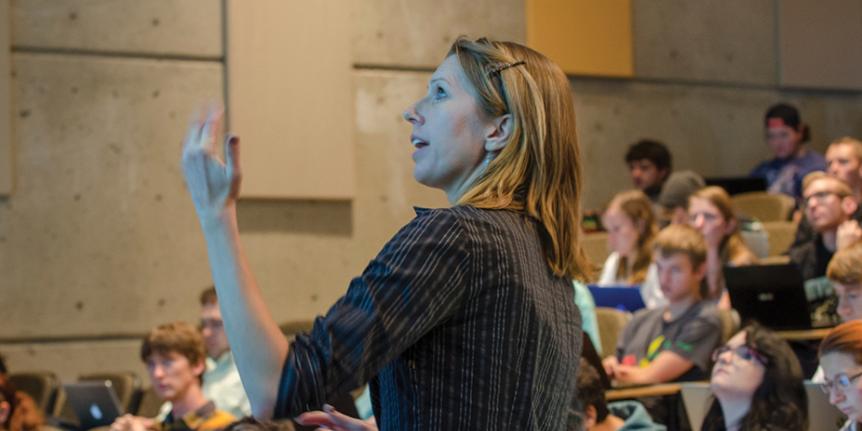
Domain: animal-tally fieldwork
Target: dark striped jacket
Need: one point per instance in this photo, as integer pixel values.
(458, 324)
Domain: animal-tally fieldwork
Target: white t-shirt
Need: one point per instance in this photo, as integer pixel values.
(650, 288)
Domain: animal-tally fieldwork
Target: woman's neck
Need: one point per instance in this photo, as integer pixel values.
(734, 410)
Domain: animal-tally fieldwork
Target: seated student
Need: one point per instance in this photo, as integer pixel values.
(221, 384)
(649, 165)
(175, 359)
(674, 342)
(828, 204)
(785, 135)
(757, 383)
(845, 273)
(843, 161)
(591, 412)
(841, 359)
(711, 212)
(18, 411)
(673, 198)
(630, 223)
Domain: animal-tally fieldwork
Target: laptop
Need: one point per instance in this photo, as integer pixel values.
(776, 297)
(95, 403)
(623, 298)
(737, 185)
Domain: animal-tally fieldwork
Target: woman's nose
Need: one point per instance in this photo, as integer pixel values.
(411, 115)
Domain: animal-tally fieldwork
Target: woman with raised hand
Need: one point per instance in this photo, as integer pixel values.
(757, 384)
(465, 319)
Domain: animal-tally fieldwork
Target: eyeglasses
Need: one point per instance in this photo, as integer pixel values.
(820, 197)
(842, 381)
(743, 352)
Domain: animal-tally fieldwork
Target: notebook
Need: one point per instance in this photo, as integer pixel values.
(624, 298)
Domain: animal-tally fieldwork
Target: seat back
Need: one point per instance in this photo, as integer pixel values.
(595, 246)
(781, 234)
(149, 404)
(42, 386)
(611, 323)
(764, 206)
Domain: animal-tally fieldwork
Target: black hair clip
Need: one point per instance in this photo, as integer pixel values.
(496, 68)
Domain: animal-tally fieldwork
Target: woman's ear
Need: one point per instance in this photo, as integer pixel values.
(730, 227)
(498, 133)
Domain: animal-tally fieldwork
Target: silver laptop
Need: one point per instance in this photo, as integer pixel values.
(95, 403)
(821, 415)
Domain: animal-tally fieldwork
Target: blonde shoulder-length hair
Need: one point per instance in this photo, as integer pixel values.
(538, 172)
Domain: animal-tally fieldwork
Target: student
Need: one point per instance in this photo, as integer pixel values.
(673, 199)
(630, 223)
(466, 318)
(649, 164)
(221, 379)
(845, 274)
(711, 212)
(841, 359)
(593, 413)
(786, 135)
(175, 359)
(757, 383)
(18, 411)
(828, 204)
(674, 342)
(843, 161)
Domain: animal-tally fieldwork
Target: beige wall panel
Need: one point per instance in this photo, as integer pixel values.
(305, 253)
(100, 235)
(820, 43)
(292, 101)
(728, 41)
(71, 359)
(7, 173)
(186, 27)
(419, 33)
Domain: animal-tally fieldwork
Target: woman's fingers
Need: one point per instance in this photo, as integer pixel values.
(210, 128)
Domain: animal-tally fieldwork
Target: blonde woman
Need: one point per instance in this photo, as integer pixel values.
(631, 226)
(710, 211)
(465, 319)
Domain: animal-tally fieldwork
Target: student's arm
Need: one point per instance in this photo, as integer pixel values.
(666, 367)
(255, 339)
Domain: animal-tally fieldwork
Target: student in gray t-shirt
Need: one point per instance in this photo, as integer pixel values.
(675, 342)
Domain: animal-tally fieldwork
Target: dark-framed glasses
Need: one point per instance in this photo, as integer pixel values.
(841, 381)
(743, 352)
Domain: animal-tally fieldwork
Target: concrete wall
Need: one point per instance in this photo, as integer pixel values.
(100, 243)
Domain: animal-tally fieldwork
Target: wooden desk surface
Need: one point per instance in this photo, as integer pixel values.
(804, 334)
(642, 391)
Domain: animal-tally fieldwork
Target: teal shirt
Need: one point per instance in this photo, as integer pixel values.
(585, 303)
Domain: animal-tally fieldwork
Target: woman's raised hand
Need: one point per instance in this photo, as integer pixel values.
(213, 184)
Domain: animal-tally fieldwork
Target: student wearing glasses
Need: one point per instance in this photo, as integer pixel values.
(757, 384)
(841, 359)
(829, 205)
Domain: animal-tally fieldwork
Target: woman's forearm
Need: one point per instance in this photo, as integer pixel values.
(256, 341)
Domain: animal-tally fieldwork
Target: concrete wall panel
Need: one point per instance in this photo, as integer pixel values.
(729, 41)
(72, 359)
(101, 226)
(419, 33)
(188, 27)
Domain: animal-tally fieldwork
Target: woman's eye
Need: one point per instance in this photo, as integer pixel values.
(439, 92)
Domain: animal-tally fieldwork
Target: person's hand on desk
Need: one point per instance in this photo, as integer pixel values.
(133, 423)
(609, 364)
(331, 419)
